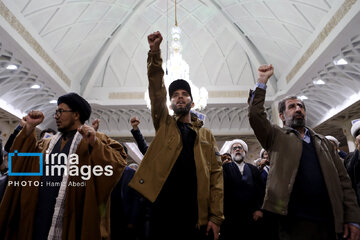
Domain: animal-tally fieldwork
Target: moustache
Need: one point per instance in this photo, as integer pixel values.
(299, 115)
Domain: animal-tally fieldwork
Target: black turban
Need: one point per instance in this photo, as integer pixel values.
(179, 84)
(77, 104)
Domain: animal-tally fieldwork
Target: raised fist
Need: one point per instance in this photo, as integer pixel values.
(95, 124)
(154, 41)
(134, 121)
(34, 118)
(22, 121)
(265, 72)
(263, 163)
(88, 133)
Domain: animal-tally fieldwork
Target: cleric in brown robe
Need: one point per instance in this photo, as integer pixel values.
(80, 168)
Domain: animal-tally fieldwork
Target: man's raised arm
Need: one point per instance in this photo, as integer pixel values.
(157, 91)
(257, 116)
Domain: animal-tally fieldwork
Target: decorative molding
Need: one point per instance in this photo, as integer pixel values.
(228, 94)
(212, 94)
(341, 88)
(15, 23)
(126, 95)
(338, 16)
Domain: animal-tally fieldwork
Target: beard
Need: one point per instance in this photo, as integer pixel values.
(68, 127)
(181, 111)
(295, 122)
(62, 130)
(238, 157)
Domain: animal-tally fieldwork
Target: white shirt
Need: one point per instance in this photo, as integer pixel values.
(241, 166)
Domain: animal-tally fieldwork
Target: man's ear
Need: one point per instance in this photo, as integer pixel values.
(170, 106)
(77, 116)
(282, 117)
(192, 104)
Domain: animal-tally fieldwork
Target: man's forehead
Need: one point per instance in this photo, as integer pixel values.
(63, 106)
(291, 101)
(180, 91)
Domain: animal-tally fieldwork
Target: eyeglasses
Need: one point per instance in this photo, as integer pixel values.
(237, 147)
(58, 112)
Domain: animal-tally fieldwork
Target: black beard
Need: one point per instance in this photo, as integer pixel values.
(62, 130)
(181, 111)
(295, 122)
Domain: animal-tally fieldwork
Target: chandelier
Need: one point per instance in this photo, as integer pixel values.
(177, 68)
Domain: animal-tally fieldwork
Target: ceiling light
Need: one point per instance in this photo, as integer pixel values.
(177, 68)
(340, 61)
(53, 101)
(303, 97)
(318, 82)
(11, 67)
(35, 86)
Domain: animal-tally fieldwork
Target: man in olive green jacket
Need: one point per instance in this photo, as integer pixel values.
(182, 166)
(307, 182)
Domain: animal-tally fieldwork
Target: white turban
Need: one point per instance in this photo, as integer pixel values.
(262, 152)
(331, 138)
(355, 128)
(226, 148)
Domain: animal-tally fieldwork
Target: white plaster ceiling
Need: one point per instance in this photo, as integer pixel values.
(98, 48)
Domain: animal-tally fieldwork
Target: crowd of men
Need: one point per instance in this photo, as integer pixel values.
(301, 187)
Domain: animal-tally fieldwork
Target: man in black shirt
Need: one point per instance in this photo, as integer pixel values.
(181, 172)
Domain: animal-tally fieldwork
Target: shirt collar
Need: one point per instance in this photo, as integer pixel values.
(240, 166)
(307, 136)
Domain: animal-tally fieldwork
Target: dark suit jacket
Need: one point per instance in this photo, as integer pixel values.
(125, 206)
(242, 197)
(352, 164)
(139, 138)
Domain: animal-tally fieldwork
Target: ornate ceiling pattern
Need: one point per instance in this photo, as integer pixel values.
(341, 84)
(101, 48)
(16, 88)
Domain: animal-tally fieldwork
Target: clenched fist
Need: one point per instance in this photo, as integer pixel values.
(134, 121)
(88, 133)
(154, 41)
(265, 72)
(34, 118)
(95, 124)
(31, 120)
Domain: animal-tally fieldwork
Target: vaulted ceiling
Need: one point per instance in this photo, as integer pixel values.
(98, 48)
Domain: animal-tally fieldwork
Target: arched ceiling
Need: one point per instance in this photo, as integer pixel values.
(98, 48)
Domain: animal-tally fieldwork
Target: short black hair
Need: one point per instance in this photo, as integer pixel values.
(282, 103)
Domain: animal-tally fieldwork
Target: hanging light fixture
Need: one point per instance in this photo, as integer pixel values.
(177, 68)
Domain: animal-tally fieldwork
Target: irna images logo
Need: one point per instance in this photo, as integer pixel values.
(57, 164)
(11, 155)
